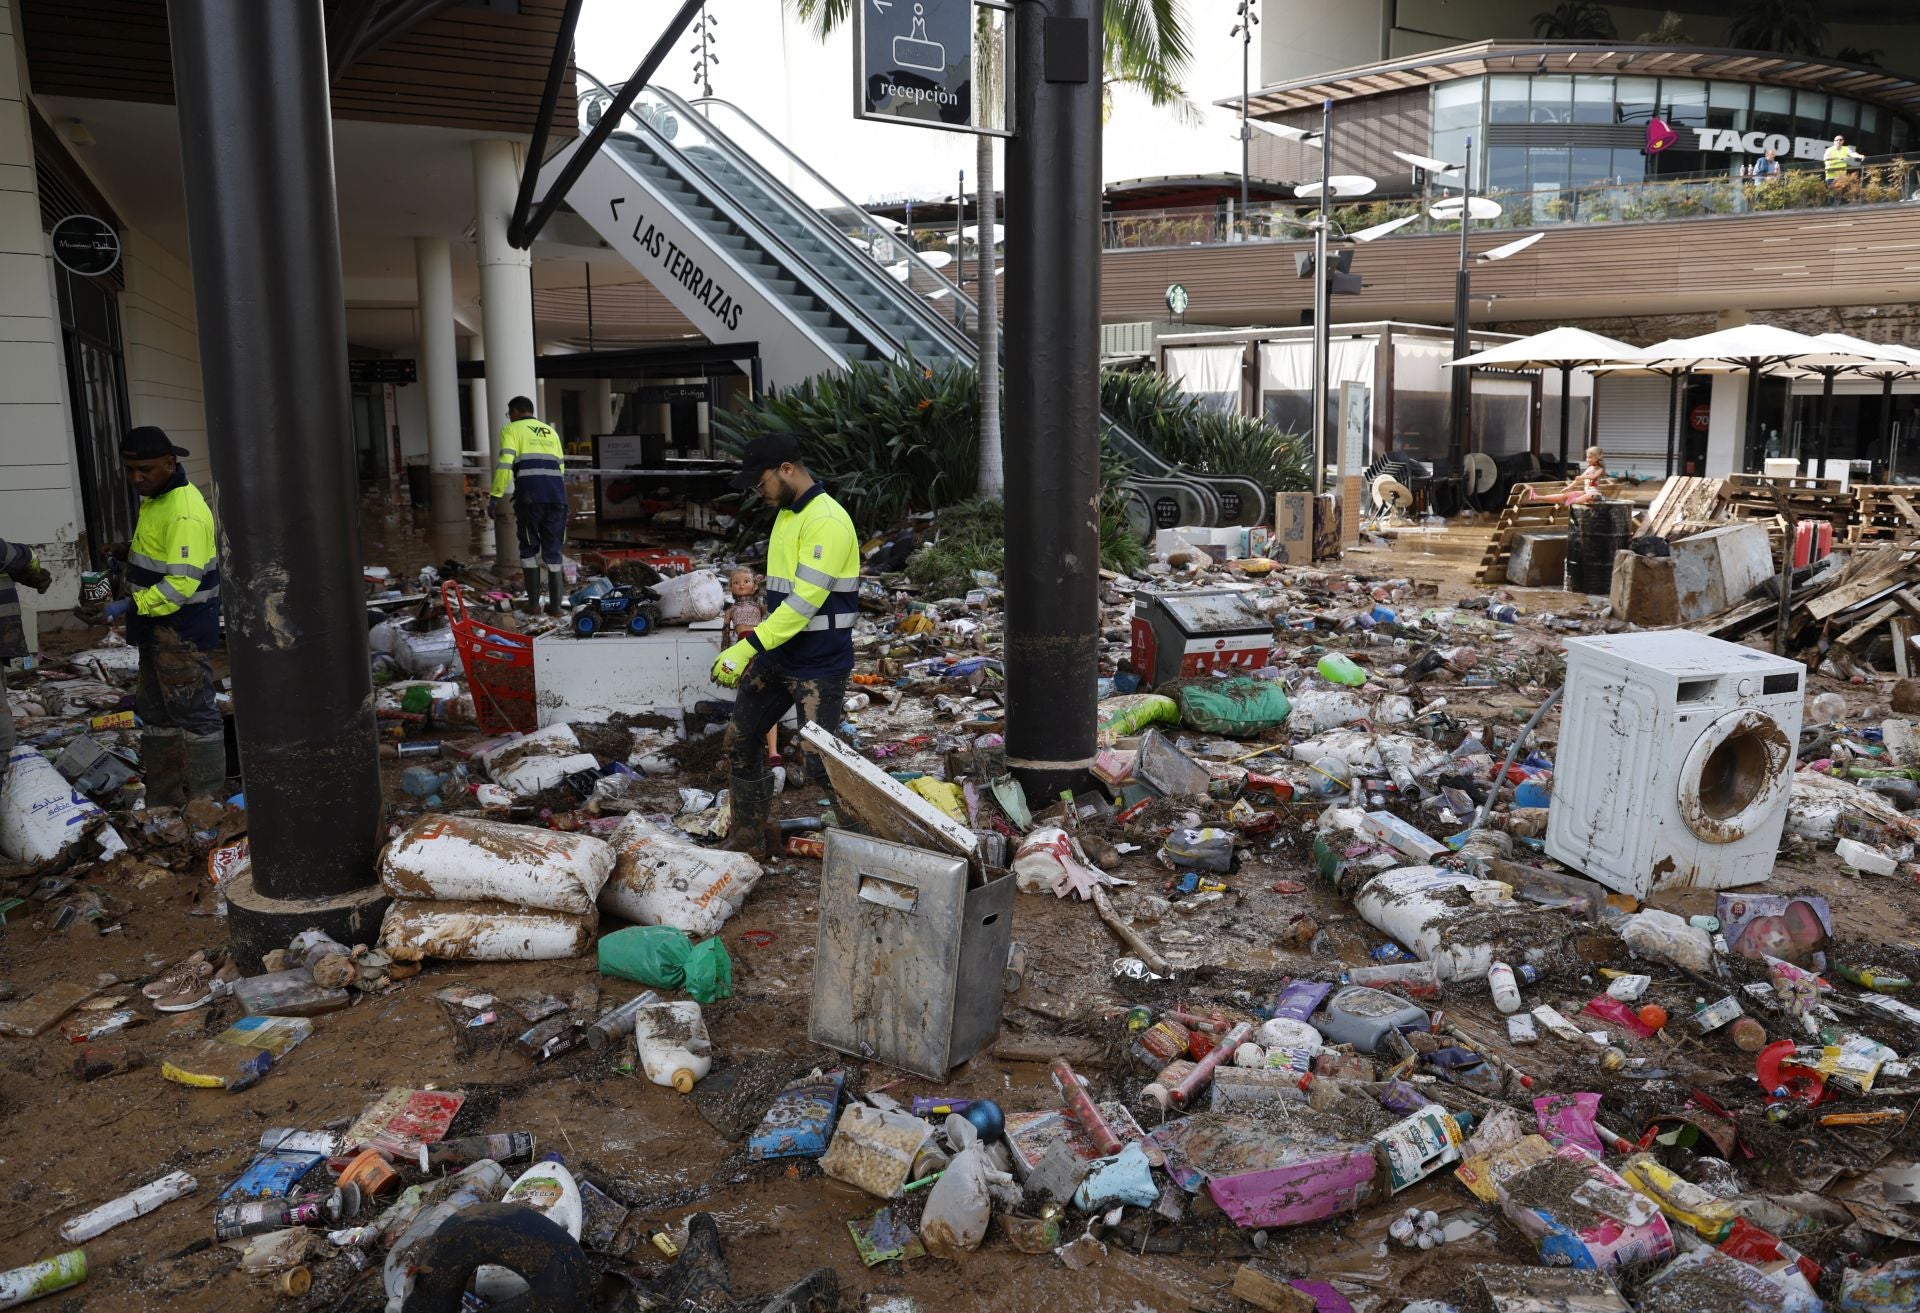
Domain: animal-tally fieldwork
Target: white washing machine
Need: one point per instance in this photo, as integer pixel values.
(1675, 761)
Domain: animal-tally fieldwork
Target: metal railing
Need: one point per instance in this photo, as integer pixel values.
(1882, 180)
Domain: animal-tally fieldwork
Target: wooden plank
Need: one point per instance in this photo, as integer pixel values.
(1266, 1289)
(1902, 628)
(1868, 627)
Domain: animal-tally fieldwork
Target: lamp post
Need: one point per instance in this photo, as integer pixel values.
(1322, 309)
(1244, 30)
(1462, 382)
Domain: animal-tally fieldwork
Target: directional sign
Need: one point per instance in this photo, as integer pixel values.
(914, 62)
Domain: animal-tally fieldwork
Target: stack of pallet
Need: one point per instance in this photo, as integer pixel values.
(1839, 613)
(1884, 512)
(1685, 505)
(1757, 497)
(1517, 517)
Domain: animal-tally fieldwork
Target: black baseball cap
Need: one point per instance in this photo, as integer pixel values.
(148, 443)
(765, 452)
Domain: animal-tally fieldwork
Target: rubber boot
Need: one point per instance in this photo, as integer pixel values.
(163, 765)
(556, 604)
(751, 799)
(532, 575)
(207, 766)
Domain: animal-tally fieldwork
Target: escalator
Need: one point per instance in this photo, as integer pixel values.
(753, 246)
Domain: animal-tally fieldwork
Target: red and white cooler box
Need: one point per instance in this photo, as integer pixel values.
(1191, 633)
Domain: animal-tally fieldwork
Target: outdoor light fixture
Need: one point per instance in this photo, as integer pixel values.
(1248, 20)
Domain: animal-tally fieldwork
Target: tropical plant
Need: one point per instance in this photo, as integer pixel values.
(1671, 30)
(1574, 20)
(1870, 57)
(1159, 414)
(1790, 27)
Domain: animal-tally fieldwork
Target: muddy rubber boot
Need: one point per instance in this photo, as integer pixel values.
(163, 765)
(750, 798)
(206, 756)
(532, 577)
(556, 604)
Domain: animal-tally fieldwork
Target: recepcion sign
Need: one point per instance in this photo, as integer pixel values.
(914, 63)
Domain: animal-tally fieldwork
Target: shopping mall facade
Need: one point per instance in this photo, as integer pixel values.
(1634, 162)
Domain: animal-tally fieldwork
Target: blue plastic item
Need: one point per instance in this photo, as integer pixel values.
(1533, 793)
(800, 1120)
(1125, 1178)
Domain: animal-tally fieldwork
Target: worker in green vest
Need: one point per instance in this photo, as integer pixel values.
(534, 464)
(801, 654)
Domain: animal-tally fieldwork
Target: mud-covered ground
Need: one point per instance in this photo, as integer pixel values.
(71, 1145)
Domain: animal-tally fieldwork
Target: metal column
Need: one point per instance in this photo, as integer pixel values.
(257, 155)
(1462, 381)
(1053, 396)
(1322, 301)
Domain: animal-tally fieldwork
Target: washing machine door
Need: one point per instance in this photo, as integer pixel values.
(1736, 776)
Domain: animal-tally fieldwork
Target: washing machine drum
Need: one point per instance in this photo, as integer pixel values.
(1736, 776)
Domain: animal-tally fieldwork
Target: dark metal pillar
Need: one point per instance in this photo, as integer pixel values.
(1826, 419)
(257, 153)
(1462, 381)
(1566, 408)
(1052, 405)
(1886, 425)
(1673, 417)
(1750, 458)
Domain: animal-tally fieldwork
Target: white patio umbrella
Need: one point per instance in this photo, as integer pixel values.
(1660, 363)
(1564, 349)
(1758, 348)
(1896, 362)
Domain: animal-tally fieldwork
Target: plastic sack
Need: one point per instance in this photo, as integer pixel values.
(539, 760)
(1207, 849)
(660, 879)
(874, 1149)
(486, 932)
(456, 857)
(1664, 937)
(947, 797)
(665, 958)
(1049, 860)
(1316, 710)
(41, 814)
(416, 654)
(961, 1203)
(1234, 707)
(1127, 715)
(696, 595)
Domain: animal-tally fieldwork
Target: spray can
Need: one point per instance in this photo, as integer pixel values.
(259, 1216)
(806, 845)
(61, 1272)
(417, 748)
(452, 1155)
(614, 1025)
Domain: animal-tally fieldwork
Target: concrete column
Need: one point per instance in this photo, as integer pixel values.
(601, 413)
(1725, 421)
(506, 308)
(440, 381)
(477, 411)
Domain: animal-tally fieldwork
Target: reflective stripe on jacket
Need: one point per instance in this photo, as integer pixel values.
(13, 632)
(532, 462)
(174, 567)
(813, 585)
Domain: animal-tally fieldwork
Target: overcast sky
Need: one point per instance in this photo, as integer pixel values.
(801, 90)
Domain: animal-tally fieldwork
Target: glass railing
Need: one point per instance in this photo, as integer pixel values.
(1884, 180)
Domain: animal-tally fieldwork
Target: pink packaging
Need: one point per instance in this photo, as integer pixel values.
(1608, 1243)
(1615, 1013)
(1568, 1119)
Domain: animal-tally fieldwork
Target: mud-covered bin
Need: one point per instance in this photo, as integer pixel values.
(1595, 531)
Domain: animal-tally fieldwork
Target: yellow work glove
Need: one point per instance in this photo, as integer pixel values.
(732, 663)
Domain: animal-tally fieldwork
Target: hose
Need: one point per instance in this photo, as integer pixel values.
(1513, 754)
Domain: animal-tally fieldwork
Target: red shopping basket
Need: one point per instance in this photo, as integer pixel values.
(499, 666)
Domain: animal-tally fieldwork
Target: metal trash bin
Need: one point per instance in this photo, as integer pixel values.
(909, 958)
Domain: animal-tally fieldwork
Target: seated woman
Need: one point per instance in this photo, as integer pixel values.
(1583, 487)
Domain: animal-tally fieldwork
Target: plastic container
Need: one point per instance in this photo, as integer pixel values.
(486, 931)
(660, 877)
(445, 858)
(548, 1188)
(135, 1203)
(1338, 669)
(481, 1183)
(48, 1276)
(1419, 906)
(292, 993)
(673, 1044)
(499, 666)
(1414, 979)
(1362, 1017)
(1506, 990)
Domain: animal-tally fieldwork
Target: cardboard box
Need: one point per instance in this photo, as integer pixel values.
(1292, 528)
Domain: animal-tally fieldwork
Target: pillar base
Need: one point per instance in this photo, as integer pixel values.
(257, 924)
(1043, 784)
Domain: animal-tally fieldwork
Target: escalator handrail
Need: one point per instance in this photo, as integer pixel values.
(819, 286)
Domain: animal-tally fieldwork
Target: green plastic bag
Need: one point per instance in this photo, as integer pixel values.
(1130, 713)
(664, 958)
(1234, 707)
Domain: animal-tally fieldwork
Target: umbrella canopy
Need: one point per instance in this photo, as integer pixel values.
(1557, 347)
(1888, 359)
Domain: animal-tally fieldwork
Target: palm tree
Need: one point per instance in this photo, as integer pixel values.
(1790, 27)
(1671, 31)
(1147, 48)
(1574, 20)
(1855, 55)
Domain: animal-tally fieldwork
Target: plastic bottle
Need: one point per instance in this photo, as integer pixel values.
(1823, 708)
(470, 1149)
(673, 1045)
(1506, 990)
(614, 1025)
(1338, 669)
(478, 1184)
(546, 1187)
(61, 1272)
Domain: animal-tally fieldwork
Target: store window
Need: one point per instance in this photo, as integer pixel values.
(1727, 105)
(1773, 110)
(1635, 100)
(1456, 105)
(1900, 135)
(97, 384)
(1506, 168)
(1843, 117)
(1592, 99)
(1685, 102)
(1810, 114)
(1552, 100)
(1591, 165)
(1873, 131)
(1508, 99)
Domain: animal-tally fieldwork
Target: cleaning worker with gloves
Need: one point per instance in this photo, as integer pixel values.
(533, 461)
(801, 654)
(173, 617)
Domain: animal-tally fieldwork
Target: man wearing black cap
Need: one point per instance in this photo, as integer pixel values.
(173, 610)
(802, 653)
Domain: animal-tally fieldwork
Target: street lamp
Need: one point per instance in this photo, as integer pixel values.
(1248, 20)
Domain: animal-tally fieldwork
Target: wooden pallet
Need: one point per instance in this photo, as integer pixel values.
(1885, 512)
(1684, 505)
(1751, 497)
(1518, 517)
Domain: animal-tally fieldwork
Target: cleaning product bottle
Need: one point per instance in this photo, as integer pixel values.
(673, 1044)
(1506, 990)
(546, 1187)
